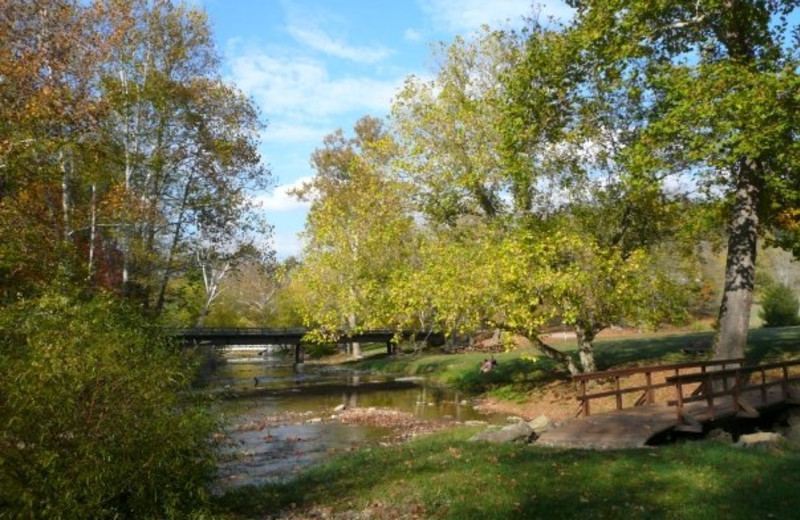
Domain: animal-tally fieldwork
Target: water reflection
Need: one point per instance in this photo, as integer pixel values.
(257, 387)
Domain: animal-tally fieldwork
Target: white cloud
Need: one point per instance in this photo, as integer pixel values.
(293, 132)
(412, 35)
(286, 245)
(281, 200)
(318, 39)
(302, 87)
(468, 15)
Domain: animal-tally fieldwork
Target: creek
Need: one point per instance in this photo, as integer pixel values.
(281, 419)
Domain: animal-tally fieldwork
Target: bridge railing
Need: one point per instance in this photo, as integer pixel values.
(627, 381)
(741, 384)
(239, 331)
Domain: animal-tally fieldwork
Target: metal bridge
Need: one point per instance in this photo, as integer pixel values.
(295, 337)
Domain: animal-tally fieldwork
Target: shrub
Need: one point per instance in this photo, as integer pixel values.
(780, 307)
(95, 414)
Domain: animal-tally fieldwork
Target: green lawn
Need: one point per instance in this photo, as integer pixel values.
(444, 476)
(517, 374)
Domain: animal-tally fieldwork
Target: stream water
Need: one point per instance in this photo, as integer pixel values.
(282, 419)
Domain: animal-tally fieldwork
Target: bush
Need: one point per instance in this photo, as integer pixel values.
(780, 307)
(95, 413)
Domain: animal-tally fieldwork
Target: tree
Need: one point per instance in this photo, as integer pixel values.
(568, 239)
(357, 229)
(49, 147)
(717, 79)
(446, 130)
(186, 143)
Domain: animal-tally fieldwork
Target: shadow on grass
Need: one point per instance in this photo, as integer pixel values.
(766, 344)
(516, 375)
(773, 344)
(447, 477)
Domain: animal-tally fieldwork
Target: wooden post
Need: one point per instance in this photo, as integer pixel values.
(619, 395)
(389, 348)
(785, 383)
(299, 354)
(679, 396)
(584, 400)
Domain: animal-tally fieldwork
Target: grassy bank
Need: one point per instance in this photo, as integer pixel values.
(523, 370)
(443, 476)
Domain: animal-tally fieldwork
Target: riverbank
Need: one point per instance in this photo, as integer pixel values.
(528, 385)
(443, 476)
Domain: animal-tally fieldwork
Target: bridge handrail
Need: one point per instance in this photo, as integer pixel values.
(648, 394)
(292, 330)
(710, 383)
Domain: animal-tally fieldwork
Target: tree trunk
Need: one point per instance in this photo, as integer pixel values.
(66, 202)
(585, 348)
(351, 321)
(740, 267)
(559, 356)
(92, 234)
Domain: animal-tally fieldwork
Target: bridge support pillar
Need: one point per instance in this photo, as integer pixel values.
(299, 354)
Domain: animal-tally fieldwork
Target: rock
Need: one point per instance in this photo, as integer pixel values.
(519, 432)
(340, 408)
(759, 440)
(475, 423)
(793, 435)
(464, 402)
(793, 416)
(720, 435)
(315, 420)
(540, 425)
(513, 419)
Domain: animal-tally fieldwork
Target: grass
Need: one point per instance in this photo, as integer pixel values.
(444, 476)
(517, 374)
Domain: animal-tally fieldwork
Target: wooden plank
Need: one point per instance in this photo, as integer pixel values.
(608, 374)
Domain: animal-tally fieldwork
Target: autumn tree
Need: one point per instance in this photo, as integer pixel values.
(49, 146)
(357, 232)
(717, 80)
(565, 237)
(185, 144)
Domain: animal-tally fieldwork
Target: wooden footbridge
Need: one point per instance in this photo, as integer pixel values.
(637, 404)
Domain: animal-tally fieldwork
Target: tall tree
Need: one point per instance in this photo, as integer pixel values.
(49, 147)
(186, 142)
(357, 230)
(119, 143)
(719, 79)
(567, 238)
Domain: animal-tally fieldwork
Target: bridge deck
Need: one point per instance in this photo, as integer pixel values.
(634, 427)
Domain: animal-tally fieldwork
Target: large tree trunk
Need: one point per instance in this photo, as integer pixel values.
(740, 268)
(356, 346)
(585, 348)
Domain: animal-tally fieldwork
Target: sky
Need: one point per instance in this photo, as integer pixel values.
(314, 66)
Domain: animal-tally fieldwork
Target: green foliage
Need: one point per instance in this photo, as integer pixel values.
(780, 307)
(122, 150)
(95, 418)
(358, 230)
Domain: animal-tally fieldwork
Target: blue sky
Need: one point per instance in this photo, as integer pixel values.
(313, 66)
